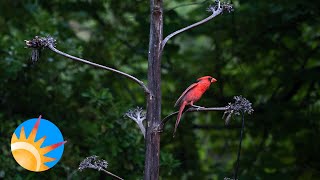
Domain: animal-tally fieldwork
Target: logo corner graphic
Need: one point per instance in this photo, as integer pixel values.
(37, 144)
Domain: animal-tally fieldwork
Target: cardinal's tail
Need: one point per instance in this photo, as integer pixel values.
(183, 105)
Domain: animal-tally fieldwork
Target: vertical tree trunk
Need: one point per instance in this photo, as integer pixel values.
(152, 140)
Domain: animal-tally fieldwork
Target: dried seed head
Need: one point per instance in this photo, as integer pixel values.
(241, 104)
(94, 163)
(37, 44)
(220, 6)
(137, 114)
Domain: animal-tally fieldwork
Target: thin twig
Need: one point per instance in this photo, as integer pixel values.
(167, 118)
(239, 149)
(113, 175)
(39, 43)
(216, 10)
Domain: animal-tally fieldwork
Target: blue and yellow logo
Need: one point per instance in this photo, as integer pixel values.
(37, 144)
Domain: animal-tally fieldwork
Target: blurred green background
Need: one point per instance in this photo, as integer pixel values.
(267, 51)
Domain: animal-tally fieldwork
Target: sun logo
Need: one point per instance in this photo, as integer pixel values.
(41, 149)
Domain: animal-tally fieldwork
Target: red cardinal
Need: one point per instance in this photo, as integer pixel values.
(192, 94)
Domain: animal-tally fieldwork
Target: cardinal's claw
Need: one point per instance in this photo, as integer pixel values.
(198, 107)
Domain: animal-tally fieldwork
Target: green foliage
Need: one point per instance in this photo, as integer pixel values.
(266, 51)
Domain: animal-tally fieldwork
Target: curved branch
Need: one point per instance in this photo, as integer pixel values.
(189, 27)
(144, 87)
(216, 10)
(40, 42)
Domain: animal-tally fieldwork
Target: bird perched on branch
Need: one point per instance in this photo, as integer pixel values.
(191, 95)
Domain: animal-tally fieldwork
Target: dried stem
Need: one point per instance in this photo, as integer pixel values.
(112, 175)
(39, 43)
(216, 10)
(239, 149)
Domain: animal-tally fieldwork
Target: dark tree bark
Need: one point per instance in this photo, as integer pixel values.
(152, 140)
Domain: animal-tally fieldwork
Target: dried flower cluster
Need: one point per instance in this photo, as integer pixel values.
(99, 164)
(220, 7)
(138, 115)
(94, 163)
(241, 104)
(40, 42)
(37, 44)
(228, 178)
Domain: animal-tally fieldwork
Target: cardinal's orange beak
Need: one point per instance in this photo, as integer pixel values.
(213, 80)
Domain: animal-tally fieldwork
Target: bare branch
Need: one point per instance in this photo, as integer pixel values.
(94, 163)
(241, 104)
(239, 148)
(167, 118)
(39, 43)
(138, 115)
(216, 10)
